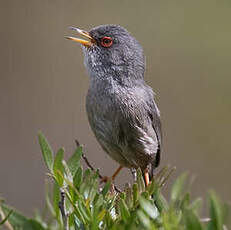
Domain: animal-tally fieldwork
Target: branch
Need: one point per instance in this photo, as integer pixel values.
(93, 169)
(63, 209)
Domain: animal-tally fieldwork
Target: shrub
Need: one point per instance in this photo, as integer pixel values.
(78, 201)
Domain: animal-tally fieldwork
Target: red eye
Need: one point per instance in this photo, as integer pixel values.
(106, 42)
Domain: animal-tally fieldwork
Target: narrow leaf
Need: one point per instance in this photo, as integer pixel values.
(196, 205)
(149, 208)
(135, 193)
(6, 218)
(140, 181)
(192, 221)
(58, 167)
(124, 211)
(16, 218)
(73, 162)
(56, 199)
(216, 212)
(177, 187)
(160, 201)
(58, 160)
(106, 188)
(144, 219)
(46, 151)
(78, 178)
(32, 225)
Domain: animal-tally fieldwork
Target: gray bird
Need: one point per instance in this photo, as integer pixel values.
(120, 105)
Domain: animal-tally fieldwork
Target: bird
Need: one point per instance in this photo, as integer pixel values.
(120, 105)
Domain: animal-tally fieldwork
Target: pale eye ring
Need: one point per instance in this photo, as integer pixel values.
(106, 42)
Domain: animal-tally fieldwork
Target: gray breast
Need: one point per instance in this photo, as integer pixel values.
(120, 122)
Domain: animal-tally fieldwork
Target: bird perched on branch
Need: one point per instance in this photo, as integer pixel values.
(120, 105)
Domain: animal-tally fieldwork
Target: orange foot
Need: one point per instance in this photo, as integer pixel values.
(146, 177)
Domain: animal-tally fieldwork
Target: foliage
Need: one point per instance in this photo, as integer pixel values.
(89, 205)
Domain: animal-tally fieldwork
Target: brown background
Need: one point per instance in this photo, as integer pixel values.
(43, 85)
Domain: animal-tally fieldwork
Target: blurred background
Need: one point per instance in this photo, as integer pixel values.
(43, 84)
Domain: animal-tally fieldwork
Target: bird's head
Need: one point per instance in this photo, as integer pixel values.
(110, 50)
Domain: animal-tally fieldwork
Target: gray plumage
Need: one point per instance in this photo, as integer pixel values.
(120, 105)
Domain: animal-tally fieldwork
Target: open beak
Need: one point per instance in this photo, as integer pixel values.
(87, 43)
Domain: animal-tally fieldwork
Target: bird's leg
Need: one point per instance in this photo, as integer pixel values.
(116, 172)
(146, 177)
(105, 178)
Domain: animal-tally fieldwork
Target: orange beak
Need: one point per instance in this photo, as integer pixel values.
(86, 43)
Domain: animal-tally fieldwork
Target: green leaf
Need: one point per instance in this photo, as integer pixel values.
(46, 151)
(144, 219)
(196, 205)
(32, 225)
(80, 220)
(171, 220)
(98, 200)
(83, 211)
(151, 188)
(106, 188)
(128, 192)
(68, 174)
(122, 195)
(93, 186)
(101, 214)
(48, 202)
(192, 221)
(78, 178)
(149, 208)
(18, 221)
(185, 201)
(6, 218)
(58, 160)
(58, 167)
(145, 195)
(39, 218)
(177, 188)
(73, 162)
(216, 212)
(135, 193)
(124, 210)
(95, 219)
(140, 181)
(16, 218)
(71, 220)
(88, 183)
(56, 199)
(160, 201)
(87, 174)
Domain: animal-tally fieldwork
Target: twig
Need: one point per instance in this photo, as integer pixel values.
(6, 223)
(63, 209)
(92, 168)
